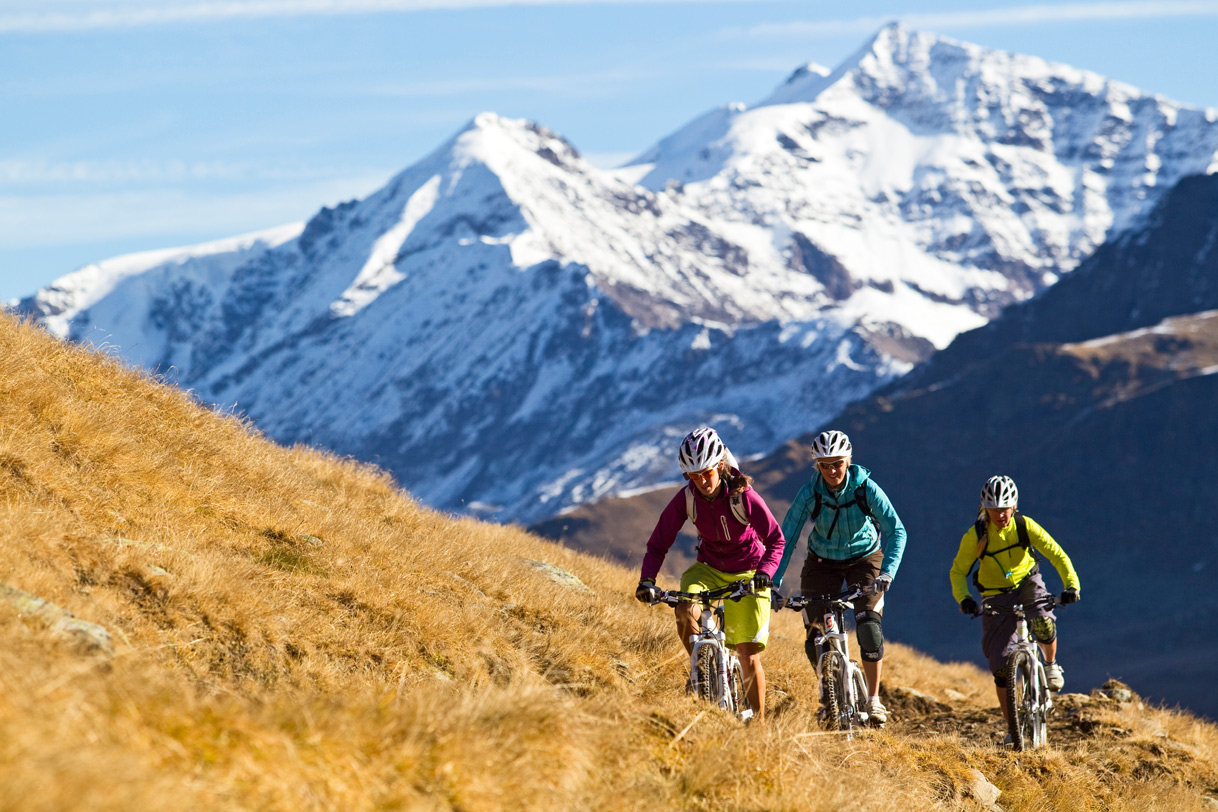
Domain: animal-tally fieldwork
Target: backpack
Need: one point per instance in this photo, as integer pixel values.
(1021, 528)
(860, 499)
(735, 499)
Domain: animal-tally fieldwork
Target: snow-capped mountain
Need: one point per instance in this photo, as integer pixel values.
(512, 331)
(937, 169)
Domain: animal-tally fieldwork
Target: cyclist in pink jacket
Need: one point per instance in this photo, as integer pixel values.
(738, 539)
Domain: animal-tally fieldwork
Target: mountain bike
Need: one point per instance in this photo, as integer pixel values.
(714, 669)
(1029, 700)
(843, 688)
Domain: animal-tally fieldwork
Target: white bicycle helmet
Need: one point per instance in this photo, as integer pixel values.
(999, 492)
(701, 449)
(831, 444)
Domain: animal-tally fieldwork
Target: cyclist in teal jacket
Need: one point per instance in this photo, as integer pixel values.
(849, 543)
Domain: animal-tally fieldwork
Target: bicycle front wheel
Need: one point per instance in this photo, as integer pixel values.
(832, 689)
(1021, 701)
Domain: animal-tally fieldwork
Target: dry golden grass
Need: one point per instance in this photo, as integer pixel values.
(292, 632)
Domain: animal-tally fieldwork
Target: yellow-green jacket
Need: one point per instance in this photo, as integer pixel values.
(1010, 562)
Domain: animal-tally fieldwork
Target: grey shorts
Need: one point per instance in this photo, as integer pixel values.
(998, 631)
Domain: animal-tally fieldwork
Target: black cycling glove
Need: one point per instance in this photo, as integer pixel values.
(646, 591)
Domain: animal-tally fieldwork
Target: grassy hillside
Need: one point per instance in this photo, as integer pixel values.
(278, 629)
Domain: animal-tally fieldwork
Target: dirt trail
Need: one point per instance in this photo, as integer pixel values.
(1075, 717)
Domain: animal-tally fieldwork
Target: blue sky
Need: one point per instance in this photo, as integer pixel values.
(128, 125)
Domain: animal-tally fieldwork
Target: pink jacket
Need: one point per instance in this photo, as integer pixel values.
(726, 544)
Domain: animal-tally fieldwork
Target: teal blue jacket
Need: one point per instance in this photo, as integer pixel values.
(847, 533)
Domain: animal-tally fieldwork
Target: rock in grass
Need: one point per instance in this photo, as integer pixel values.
(60, 621)
(558, 575)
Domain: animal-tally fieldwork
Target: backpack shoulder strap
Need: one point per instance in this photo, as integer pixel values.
(1021, 527)
(739, 510)
(736, 500)
(982, 539)
(815, 508)
(860, 499)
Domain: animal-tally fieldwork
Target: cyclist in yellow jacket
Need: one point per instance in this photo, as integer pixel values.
(1007, 574)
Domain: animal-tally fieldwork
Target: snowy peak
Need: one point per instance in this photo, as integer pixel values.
(971, 176)
(495, 141)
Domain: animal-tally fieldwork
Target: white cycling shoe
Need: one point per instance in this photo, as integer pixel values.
(877, 714)
(1055, 677)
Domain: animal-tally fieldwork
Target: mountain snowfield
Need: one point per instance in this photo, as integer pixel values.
(513, 332)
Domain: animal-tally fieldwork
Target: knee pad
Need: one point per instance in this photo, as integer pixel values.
(1044, 629)
(870, 635)
(1000, 679)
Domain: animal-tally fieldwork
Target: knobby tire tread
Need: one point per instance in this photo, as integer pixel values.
(1019, 681)
(832, 689)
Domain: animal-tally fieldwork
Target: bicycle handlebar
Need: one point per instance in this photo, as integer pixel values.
(844, 599)
(1048, 602)
(732, 592)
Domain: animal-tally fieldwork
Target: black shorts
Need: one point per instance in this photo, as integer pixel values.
(825, 576)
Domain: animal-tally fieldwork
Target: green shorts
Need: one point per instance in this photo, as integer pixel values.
(746, 620)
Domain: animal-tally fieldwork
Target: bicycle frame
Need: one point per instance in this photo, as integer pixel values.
(714, 668)
(843, 686)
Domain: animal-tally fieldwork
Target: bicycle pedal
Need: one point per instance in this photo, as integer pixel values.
(746, 715)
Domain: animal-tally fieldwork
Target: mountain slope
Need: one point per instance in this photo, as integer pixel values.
(288, 631)
(513, 332)
(1167, 267)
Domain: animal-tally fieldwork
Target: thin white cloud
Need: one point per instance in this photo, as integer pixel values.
(1036, 14)
(150, 172)
(84, 16)
(600, 82)
(54, 220)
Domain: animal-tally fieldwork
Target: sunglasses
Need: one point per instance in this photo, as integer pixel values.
(831, 466)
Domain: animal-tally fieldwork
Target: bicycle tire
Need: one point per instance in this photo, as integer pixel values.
(740, 697)
(832, 690)
(708, 673)
(1020, 712)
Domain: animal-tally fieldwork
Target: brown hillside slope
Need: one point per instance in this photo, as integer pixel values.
(283, 630)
